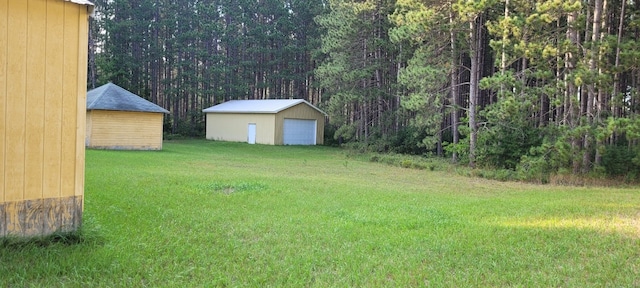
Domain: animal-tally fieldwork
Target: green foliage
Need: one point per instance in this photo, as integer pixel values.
(495, 174)
(413, 20)
(329, 133)
(408, 141)
(424, 78)
(503, 145)
(188, 55)
(621, 160)
(534, 168)
(462, 147)
(358, 69)
(191, 128)
(381, 69)
(410, 162)
(509, 132)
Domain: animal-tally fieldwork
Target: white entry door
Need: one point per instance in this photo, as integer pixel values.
(299, 132)
(251, 134)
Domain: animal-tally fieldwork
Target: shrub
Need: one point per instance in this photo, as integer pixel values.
(617, 160)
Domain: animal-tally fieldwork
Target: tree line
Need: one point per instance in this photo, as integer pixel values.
(530, 86)
(188, 55)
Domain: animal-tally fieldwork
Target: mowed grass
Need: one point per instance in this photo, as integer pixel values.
(213, 214)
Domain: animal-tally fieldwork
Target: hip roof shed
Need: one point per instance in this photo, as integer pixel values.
(120, 120)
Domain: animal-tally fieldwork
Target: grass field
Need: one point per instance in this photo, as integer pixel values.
(212, 214)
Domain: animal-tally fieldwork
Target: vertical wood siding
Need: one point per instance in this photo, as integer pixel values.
(124, 130)
(35, 92)
(43, 57)
(53, 101)
(4, 9)
(15, 111)
(82, 57)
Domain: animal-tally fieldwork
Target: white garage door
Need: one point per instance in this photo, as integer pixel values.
(299, 132)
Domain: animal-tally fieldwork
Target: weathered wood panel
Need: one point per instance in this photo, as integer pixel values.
(65, 212)
(125, 130)
(41, 216)
(78, 210)
(51, 212)
(3, 222)
(33, 217)
(13, 215)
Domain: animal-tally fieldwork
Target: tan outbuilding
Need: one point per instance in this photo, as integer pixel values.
(43, 72)
(120, 120)
(272, 122)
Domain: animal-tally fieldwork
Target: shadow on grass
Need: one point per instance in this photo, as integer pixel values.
(80, 237)
(63, 239)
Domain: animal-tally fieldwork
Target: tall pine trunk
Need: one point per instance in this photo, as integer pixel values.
(454, 86)
(591, 87)
(474, 53)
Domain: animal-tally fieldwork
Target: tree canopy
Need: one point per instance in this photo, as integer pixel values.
(532, 86)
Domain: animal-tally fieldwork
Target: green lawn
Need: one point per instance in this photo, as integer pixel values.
(212, 214)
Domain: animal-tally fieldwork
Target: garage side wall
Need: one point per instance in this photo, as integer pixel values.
(43, 65)
(124, 130)
(300, 111)
(234, 127)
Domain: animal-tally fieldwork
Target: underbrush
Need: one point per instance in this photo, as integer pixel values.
(562, 178)
(412, 162)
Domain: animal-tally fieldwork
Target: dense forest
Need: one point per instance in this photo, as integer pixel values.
(531, 86)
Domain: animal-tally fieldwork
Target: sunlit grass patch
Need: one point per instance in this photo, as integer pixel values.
(624, 225)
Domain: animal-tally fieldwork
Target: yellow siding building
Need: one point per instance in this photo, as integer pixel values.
(120, 120)
(43, 64)
(272, 122)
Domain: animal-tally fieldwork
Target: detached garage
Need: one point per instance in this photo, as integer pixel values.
(273, 122)
(119, 119)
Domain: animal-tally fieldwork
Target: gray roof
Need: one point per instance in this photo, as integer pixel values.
(269, 106)
(113, 97)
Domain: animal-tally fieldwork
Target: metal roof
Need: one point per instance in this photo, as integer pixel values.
(113, 97)
(268, 106)
(83, 2)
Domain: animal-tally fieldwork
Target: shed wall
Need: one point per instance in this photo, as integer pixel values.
(124, 130)
(300, 111)
(43, 58)
(233, 127)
